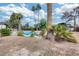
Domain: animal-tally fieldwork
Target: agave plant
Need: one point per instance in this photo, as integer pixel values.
(62, 33)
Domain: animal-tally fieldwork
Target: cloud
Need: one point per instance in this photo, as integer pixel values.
(42, 14)
(42, 4)
(16, 9)
(21, 8)
(66, 7)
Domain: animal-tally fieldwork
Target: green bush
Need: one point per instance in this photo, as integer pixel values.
(5, 32)
(42, 32)
(61, 31)
(43, 25)
(20, 33)
(33, 32)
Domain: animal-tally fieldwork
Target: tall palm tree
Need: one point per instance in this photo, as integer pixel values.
(49, 35)
(49, 18)
(38, 8)
(34, 9)
(19, 17)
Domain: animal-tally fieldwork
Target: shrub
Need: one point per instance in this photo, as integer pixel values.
(61, 32)
(33, 32)
(5, 32)
(20, 33)
(42, 32)
(43, 25)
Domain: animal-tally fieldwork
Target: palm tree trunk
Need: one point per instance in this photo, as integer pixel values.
(38, 21)
(49, 35)
(19, 25)
(74, 23)
(49, 21)
(35, 21)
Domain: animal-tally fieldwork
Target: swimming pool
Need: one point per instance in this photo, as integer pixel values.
(28, 33)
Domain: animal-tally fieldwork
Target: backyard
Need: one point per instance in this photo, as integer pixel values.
(31, 31)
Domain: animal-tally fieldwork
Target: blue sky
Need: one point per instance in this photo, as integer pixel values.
(6, 9)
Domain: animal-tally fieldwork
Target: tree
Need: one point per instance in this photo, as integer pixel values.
(34, 9)
(19, 17)
(49, 35)
(49, 18)
(69, 16)
(72, 15)
(37, 8)
(14, 21)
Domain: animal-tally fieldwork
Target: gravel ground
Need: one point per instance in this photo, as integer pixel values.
(21, 46)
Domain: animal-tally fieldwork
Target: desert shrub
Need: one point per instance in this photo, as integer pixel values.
(5, 32)
(42, 32)
(61, 32)
(32, 32)
(20, 33)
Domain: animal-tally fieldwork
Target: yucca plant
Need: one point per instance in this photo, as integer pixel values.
(61, 32)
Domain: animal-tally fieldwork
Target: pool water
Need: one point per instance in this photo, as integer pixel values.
(27, 33)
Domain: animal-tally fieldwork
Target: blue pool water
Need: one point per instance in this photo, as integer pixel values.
(27, 33)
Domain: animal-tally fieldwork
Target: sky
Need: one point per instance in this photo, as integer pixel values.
(6, 9)
(59, 8)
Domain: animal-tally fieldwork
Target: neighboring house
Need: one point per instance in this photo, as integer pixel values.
(2, 25)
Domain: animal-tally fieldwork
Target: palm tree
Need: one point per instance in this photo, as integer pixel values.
(38, 8)
(34, 9)
(49, 22)
(49, 18)
(14, 21)
(19, 17)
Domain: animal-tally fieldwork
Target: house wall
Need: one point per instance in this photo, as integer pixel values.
(2, 26)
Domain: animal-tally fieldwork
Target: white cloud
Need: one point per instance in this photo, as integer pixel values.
(66, 7)
(28, 20)
(10, 8)
(42, 13)
(42, 4)
(17, 9)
